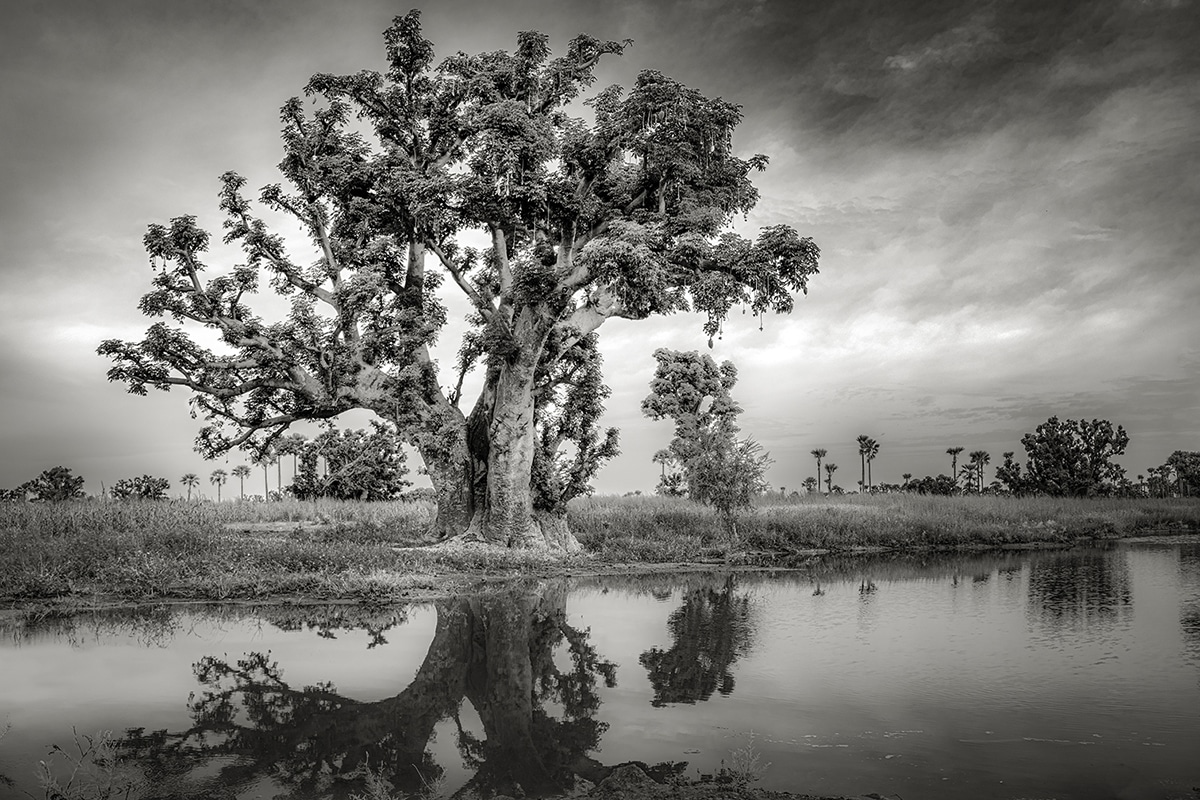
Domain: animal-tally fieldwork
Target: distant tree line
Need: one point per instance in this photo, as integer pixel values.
(1063, 458)
(706, 461)
(339, 464)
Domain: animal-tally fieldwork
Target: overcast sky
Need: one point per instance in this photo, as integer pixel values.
(1005, 194)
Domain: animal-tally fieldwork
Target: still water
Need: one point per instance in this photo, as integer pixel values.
(1021, 675)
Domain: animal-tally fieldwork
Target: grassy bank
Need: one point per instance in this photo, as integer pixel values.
(88, 551)
(659, 529)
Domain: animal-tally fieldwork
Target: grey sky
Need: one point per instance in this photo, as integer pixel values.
(1005, 195)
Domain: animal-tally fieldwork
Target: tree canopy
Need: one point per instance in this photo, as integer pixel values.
(624, 216)
(1071, 458)
(145, 487)
(53, 485)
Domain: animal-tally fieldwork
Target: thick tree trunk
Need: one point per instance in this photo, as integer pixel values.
(511, 519)
(481, 466)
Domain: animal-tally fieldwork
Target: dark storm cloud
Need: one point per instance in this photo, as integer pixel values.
(926, 71)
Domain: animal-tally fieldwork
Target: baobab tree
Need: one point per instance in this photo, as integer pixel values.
(189, 480)
(953, 453)
(218, 478)
(241, 471)
(818, 454)
(627, 216)
(829, 470)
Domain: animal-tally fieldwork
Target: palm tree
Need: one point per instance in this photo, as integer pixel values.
(829, 470)
(968, 476)
(267, 459)
(953, 453)
(864, 447)
(292, 445)
(979, 459)
(218, 478)
(819, 453)
(907, 477)
(872, 452)
(189, 480)
(241, 471)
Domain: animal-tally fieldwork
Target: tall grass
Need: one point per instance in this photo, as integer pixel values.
(666, 529)
(88, 551)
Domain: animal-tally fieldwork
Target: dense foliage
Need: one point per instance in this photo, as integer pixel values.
(717, 467)
(145, 487)
(53, 485)
(1069, 458)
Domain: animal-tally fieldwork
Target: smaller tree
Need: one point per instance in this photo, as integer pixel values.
(1074, 457)
(979, 460)
(818, 454)
(218, 479)
(953, 453)
(941, 484)
(811, 485)
(265, 459)
(1183, 467)
(54, 485)
(670, 483)
(190, 481)
(720, 469)
(872, 454)
(146, 487)
(730, 472)
(967, 477)
(864, 448)
(241, 472)
(829, 470)
(1160, 482)
(291, 444)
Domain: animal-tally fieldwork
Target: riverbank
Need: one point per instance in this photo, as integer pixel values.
(91, 553)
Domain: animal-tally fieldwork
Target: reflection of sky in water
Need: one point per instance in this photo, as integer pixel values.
(1020, 674)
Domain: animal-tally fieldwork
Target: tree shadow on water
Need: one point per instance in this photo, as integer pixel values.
(495, 652)
(711, 630)
(1079, 589)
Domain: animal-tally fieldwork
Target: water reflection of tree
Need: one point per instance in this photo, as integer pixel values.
(1189, 607)
(711, 630)
(1079, 588)
(496, 652)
